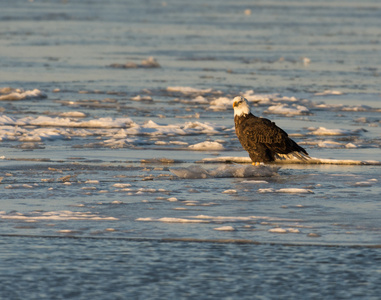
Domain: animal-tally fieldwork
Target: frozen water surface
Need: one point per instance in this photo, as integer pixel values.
(121, 175)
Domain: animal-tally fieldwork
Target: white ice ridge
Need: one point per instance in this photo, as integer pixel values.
(251, 96)
(14, 133)
(224, 228)
(73, 114)
(221, 103)
(66, 122)
(285, 109)
(55, 216)
(10, 94)
(171, 220)
(216, 219)
(367, 183)
(188, 90)
(286, 190)
(149, 127)
(284, 230)
(328, 92)
(207, 146)
(295, 160)
(116, 130)
(227, 171)
(331, 132)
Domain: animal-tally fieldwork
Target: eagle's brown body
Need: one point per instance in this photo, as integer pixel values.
(263, 139)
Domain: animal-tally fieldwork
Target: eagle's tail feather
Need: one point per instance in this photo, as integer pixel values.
(295, 155)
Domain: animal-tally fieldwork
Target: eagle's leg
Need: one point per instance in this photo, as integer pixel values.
(256, 163)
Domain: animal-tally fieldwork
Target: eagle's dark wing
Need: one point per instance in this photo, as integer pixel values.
(262, 131)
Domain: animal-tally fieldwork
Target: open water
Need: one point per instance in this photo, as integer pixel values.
(122, 177)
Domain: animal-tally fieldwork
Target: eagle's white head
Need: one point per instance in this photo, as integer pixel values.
(241, 106)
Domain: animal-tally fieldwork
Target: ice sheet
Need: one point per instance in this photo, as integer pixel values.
(240, 171)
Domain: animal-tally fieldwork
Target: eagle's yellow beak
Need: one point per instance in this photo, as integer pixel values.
(235, 104)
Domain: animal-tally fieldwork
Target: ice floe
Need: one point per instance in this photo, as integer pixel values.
(326, 131)
(118, 132)
(216, 219)
(200, 99)
(20, 186)
(11, 133)
(154, 129)
(43, 134)
(225, 228)
(284, 230)
(328, 144)
(149, 63)
(230, 191)
(66, 122)
(73, 114)
(329, 92)
(306, 61)
(171, 220)
(221, 103)
(207, 146)
(256, 181)
(251, 96)
(141, 98)
(342, 107)
(62, 215)
(285, 109)
(121, 185)
(10, 94)
(367, 183)
(286, 190)
(188, 90)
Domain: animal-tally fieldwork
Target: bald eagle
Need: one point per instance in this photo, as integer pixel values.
(262, 138)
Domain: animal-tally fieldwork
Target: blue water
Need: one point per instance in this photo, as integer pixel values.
(116, 269)
(95, 212)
